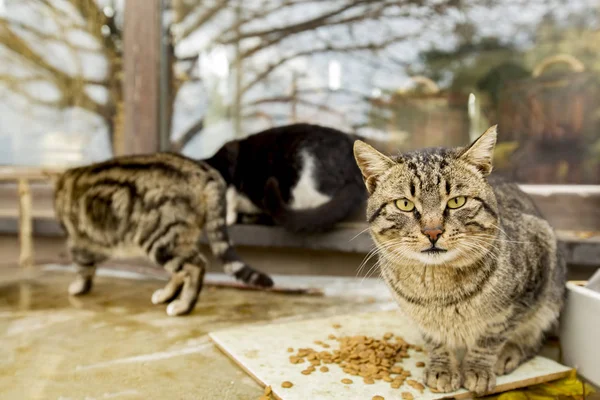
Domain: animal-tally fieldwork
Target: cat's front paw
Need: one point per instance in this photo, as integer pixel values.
(479, 379)
(443, 378)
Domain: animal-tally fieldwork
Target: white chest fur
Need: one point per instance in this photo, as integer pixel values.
(238, 203)
(305, 194)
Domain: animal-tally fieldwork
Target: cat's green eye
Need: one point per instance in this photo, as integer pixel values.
(457, 202)
(405, 205)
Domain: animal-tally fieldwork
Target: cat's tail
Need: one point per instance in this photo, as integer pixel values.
(318, 219)
(218, 236)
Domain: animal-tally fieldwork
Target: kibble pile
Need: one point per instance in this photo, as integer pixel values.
(361, 356)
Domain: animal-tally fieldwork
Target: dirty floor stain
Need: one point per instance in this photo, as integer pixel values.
(114, 344)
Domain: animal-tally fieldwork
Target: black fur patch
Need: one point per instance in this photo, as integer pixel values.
(277, 156)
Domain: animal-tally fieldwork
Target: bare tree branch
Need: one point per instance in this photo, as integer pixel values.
(39, 35)
(329, 48)
(297, 27)
(187, 136)
(287, 99)
(204, 18)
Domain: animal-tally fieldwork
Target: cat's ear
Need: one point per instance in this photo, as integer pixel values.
(481, 152)
(371, 163)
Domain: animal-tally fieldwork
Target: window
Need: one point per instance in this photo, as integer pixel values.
(403, 74)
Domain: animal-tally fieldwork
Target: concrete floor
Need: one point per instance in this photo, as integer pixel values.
(113, 343)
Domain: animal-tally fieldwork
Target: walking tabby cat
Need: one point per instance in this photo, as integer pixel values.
(154, 206)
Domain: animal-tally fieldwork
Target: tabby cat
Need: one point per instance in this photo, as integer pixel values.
(468, 258)
(300, 176)
(154, 206)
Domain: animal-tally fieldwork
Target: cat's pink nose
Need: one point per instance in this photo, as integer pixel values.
(433, 233)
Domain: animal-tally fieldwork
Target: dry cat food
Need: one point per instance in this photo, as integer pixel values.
(416, 385)
(287, 384)
(420, 364)
(378, 398)
(369, 358)
(407, 396)
(267, 394)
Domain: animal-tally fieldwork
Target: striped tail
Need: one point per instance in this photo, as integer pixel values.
(218, 237)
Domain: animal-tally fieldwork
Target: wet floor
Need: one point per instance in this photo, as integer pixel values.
(113, 343)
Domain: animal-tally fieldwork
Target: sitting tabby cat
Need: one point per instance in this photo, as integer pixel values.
(154, 205)
(470, 260)
(301, 176)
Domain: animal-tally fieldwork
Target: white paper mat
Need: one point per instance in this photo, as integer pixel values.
(262, 352)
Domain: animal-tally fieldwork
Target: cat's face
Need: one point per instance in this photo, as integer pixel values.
(434, 206)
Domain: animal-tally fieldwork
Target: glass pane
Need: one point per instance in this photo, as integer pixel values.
(60, 64)
(403, 74)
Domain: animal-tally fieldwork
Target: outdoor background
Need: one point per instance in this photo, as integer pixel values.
(404, 74)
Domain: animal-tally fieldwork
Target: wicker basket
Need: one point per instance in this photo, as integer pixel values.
(425, 117)
(551, 116)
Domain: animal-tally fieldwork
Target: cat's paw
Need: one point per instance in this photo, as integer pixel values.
(80, 286)
(510, 358)
(179, 307)
(160, 296)
(478, 379)
(443, 378)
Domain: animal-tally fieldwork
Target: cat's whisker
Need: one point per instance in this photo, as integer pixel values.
(372, 253)
(359, 233)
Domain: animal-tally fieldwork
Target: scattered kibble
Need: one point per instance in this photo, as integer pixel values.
(267, 391)
(378, 398)
(287, 384)
(290, 350)
(416, 385)
(407, 396)
(420, 364)
(337, 326)
(363, 356)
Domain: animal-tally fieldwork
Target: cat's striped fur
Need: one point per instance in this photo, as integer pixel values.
(483, 274)
(154, 206)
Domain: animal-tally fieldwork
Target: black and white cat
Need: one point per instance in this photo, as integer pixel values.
(302, 176)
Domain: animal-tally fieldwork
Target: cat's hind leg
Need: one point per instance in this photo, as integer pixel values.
(178, 253)
(85, 265)
(170, 291)
(192, 274)
(512, 356)
(521, 347)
